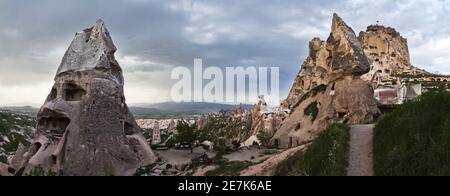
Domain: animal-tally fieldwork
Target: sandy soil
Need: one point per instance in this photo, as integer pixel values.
(361, 158)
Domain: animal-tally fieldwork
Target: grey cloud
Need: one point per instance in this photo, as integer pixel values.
(223, 33)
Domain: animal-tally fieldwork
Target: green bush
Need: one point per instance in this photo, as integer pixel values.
(415, 138)
(312, 110)
(39, 171)
(312, 93)
(326, 156)
(186, 133)
(264, 138)
(220, 128)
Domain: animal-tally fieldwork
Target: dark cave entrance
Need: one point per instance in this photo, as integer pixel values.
(127, 128)
(35, 148)
(73, 92)
(54, 125)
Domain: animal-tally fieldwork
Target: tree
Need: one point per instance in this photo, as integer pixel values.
(187, 133)
(220, 128)
(264, 138)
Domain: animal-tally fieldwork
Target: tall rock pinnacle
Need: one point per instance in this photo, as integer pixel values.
(328, 89)
(346, 51)
(85, 126)
(341, 55)
(91, 49)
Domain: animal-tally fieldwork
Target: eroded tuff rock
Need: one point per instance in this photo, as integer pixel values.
(260, 119)
(391, 74)
(341, 55)
(328, 88)
(387, 52)
(313, 72)
(350, 102)
(85, 126)
(5, 170)
(346, 53)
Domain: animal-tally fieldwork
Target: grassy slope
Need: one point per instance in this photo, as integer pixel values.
(327, 155)
(415, 139)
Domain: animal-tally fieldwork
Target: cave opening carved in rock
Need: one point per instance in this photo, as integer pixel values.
(127, 128)
(73, 92)
(55, 126)
(34, 148)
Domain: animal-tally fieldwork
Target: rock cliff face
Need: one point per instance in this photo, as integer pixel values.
(391, 74)
(313, 72)
(341, 55)
(387, 52)
(346, 57)
(260, 119)
(85, 126)
(328, 88)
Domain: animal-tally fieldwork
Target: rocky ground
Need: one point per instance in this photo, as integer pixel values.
(254, 155)
(268, 167)
(183, 162)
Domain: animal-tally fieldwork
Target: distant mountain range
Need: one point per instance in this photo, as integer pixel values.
(22, 109)
(197, 107)
(179, 110)
(157, 110)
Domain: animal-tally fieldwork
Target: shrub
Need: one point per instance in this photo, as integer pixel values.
(39, 171)
(232, 168)
(186, 133)
(312, 93)
(264, 138)
(414, 139)
(221, 128)
(312, 110)
(326, 156)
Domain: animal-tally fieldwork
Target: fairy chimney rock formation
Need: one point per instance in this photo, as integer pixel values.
(387, 52)
(328, 88)
(386, 45)
(340, 56)
(85, 126)
(346, 53)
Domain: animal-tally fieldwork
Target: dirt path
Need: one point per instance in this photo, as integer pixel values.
(360, 160)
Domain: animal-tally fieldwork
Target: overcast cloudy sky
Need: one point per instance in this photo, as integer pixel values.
(153, 36)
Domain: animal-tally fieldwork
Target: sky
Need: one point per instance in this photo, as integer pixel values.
(154, 36)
